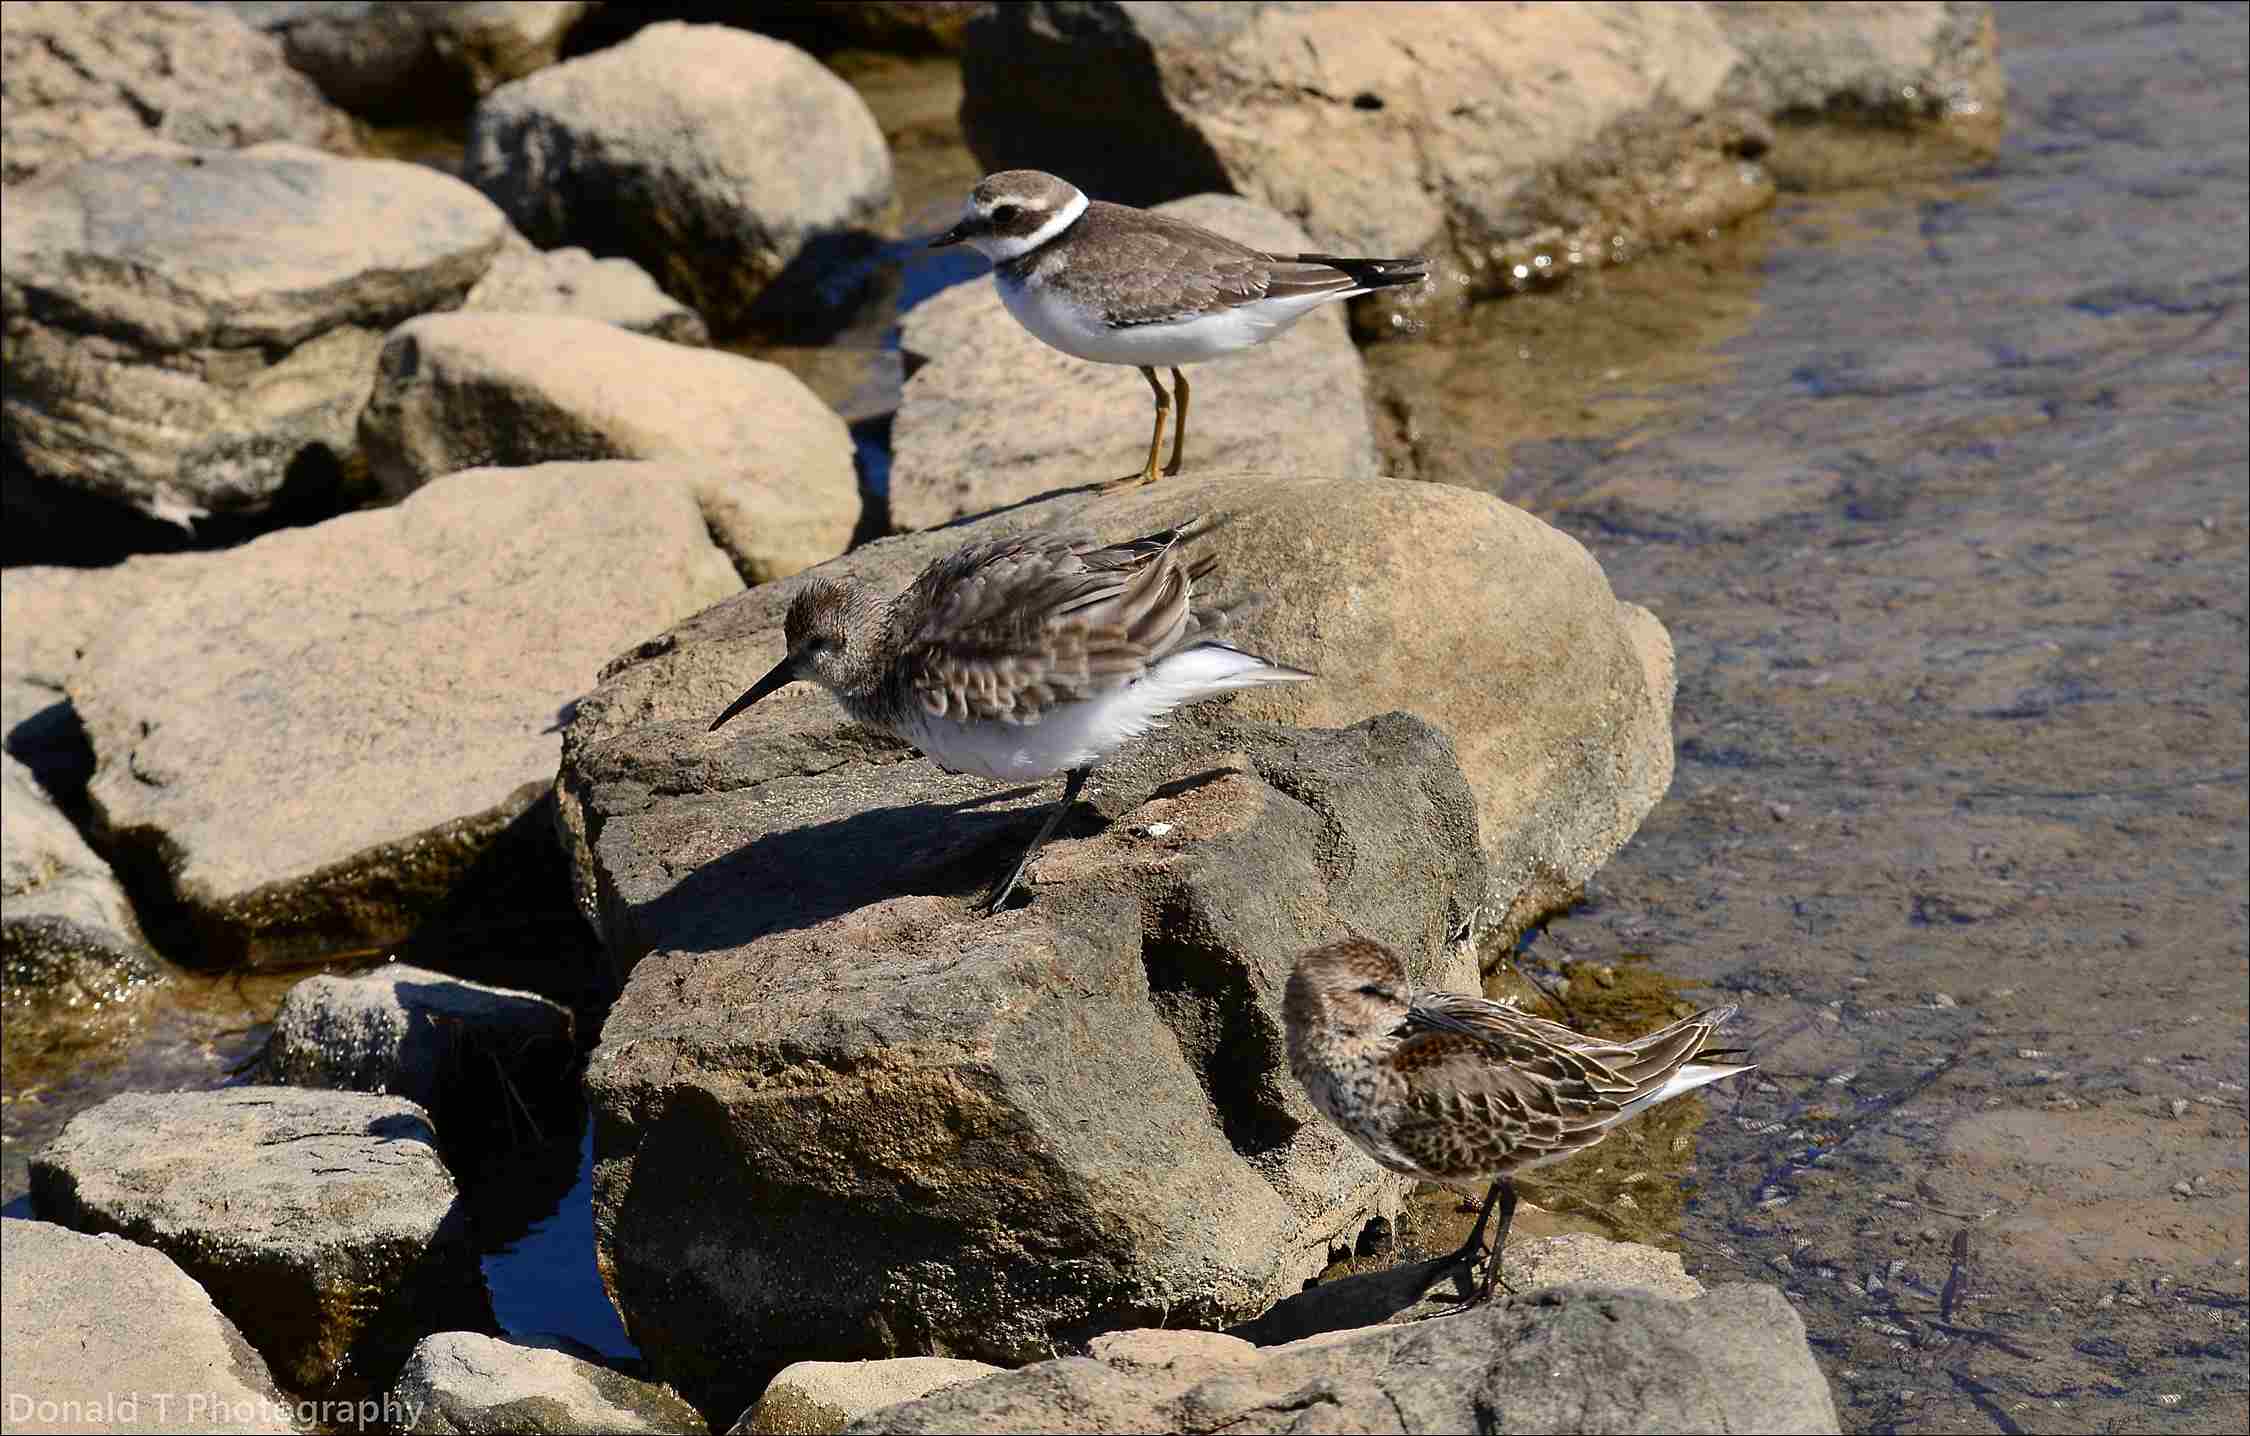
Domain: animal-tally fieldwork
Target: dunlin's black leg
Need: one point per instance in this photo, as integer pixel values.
(1179, 422)
(1507, 1191)
(999, 894)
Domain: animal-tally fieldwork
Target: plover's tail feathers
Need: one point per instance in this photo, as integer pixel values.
(1372, 273)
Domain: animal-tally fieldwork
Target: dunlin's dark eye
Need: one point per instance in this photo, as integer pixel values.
(1372, 989)
(1005, 213)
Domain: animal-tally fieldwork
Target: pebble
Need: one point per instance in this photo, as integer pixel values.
(1942, 999)
(2179, 1106)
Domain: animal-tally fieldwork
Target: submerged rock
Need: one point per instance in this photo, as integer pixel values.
(193, 333)
(322, 1223)
(992, 416)
(771, 464)
(108, 1335)
(309, 739)
(1574, 1358)
(717, 159)
(82, 78)
(463, 1382)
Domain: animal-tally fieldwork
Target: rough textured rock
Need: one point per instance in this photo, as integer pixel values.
(108, 1335)
(47, 614)
(1580, 1257)
(841, 1113)
(190, 332)
(717, 159)
(461, 1383)
(820, 1398)
(525, 280)
(992, 416)
(773, 464)
(67, 933)
(106, 76)
(414, 61)
(1490, 135)
(322, 1223)
(1576, 1358)
(1493, 626)
(444, 1043)
(405, 671)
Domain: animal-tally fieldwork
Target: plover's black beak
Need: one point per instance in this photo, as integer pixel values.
(783, 674)
(954, 235)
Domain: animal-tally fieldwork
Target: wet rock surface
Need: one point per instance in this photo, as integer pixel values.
(88, 1315)
(714, 158)
(190, 333)
(1388, 590)
(110, 76)
(321, 1223)
(820, 1398)
(1950, 528)
(1575, 1358)
(1488, 135)
(991, 416)
(771, 465)
(462, 1051)
(407, 669)
(462, 1382)
(67, 932)
(842, 1113)
(406, 61)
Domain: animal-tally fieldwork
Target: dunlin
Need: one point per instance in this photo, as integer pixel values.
(1462, 1091)
(1119, 285)
(1022, 657)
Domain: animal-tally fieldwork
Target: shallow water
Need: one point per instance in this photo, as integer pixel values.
(1943, 491)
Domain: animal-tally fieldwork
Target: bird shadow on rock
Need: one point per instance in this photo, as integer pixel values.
(804, 876)
(1410, 1293)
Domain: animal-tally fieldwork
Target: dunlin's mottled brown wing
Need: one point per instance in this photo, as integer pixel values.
(1491, 1090)
(1007, 629)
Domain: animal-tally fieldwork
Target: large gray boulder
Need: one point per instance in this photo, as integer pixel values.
(772, 464)
(716, 158)
(1496, 628)
(1574, 1358)
(464, 1383)
(322, 1223)
(430, 61)
(1494, 137)
(992, 416)
(189, 332)
(839, 1112)
(108, 1335)
(81, 78)
(465, 1052)
(405, 672)
(67, 931)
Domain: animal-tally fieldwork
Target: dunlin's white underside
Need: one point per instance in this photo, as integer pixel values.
(1074, 735)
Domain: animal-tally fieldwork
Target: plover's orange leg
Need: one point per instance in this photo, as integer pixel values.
(1147, 475)
(1179, 422)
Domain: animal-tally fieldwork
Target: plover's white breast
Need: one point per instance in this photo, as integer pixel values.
(1052, 313)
